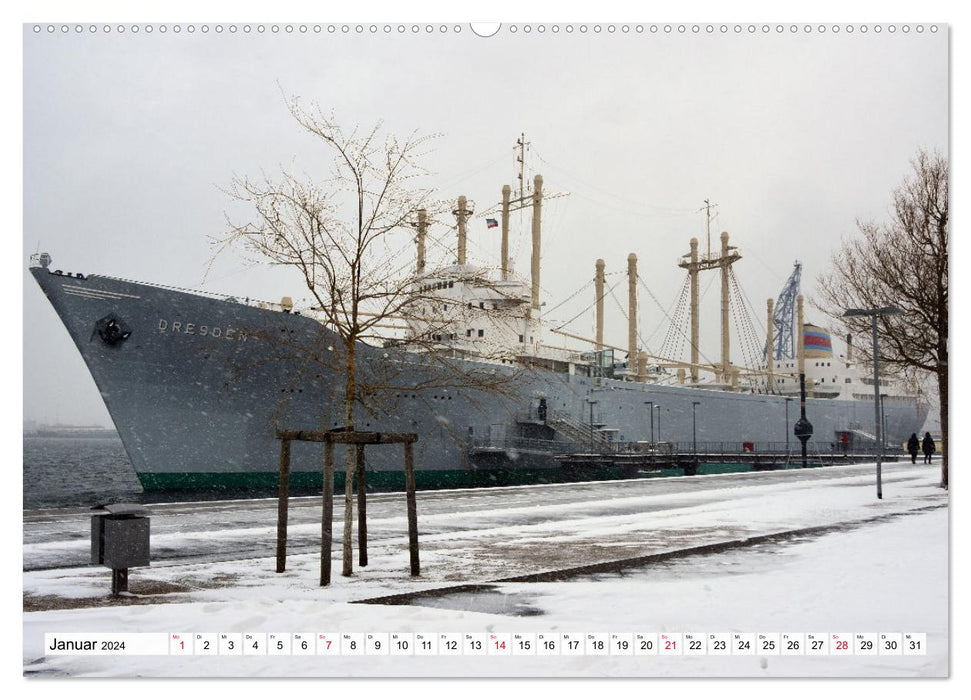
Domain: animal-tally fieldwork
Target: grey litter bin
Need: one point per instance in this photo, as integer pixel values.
(119, 540)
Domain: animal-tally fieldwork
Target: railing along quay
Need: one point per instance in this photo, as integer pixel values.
(685, 455)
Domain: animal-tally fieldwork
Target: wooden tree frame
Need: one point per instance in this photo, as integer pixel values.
(360, 440)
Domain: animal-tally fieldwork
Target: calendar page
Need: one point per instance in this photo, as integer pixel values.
(426, 349)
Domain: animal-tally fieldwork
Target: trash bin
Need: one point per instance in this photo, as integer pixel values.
(120, 536)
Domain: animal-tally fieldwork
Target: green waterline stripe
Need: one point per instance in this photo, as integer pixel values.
(428, 479)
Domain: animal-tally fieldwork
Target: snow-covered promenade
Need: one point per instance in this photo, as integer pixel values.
(855, 564)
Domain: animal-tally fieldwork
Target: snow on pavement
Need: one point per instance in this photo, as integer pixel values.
(882, 567)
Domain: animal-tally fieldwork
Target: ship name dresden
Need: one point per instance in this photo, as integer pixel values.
(196, 329)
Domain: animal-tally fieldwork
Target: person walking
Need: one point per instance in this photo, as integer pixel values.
(913, 447)
(929, 448)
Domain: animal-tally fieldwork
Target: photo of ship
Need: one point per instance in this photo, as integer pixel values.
(443, 351)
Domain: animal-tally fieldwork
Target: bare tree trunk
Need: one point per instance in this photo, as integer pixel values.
(942, 392)
(350, 466)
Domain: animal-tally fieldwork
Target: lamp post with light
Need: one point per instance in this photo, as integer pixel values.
(803, 428)
(874, 314)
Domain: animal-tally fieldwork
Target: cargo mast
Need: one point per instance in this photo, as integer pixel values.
(695, 264)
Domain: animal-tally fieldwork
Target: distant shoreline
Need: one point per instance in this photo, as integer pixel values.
(72, 432)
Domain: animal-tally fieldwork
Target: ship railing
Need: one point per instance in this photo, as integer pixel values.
(682, 449)
(512, 444)
(532, 415)
(246, 301)
(814, 447)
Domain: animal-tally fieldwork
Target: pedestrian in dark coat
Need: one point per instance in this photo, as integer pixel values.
(913, 447)
(929, 447)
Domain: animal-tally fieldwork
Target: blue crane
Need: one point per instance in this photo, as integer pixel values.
(784, 318)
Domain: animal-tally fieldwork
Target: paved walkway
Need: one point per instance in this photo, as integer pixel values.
(481, 535)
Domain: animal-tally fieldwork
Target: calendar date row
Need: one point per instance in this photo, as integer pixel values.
(488, 644)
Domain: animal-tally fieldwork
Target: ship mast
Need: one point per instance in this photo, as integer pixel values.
(526, 198)
(521, 159)
(707, 209)
(723, 262)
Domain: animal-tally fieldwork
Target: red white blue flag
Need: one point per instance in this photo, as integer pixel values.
(492, 223)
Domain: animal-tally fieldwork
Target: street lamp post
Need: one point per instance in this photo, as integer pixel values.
(658, 423)
(650, 415)
(883, 418)
(591, 402)
(803, 428)
(788, 401)
(694, 431)
(874, 314)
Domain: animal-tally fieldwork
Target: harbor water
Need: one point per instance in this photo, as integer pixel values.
(90, 471)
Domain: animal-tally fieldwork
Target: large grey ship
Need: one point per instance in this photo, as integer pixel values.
(198, 384)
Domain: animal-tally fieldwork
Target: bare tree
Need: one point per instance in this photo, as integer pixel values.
(346, 237)
(902, 263)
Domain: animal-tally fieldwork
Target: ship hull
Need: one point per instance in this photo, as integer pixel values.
(198, 387)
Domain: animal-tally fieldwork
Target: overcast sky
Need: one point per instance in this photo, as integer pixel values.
(128, 139)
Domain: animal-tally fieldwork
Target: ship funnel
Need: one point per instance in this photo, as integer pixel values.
(45, 260)
(816, 341)
(287, 304)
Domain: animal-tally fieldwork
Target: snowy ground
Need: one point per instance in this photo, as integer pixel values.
(876, 566)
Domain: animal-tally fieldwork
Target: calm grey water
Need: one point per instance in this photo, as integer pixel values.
(72, 471)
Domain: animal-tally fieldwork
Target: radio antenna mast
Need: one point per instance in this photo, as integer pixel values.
(521, 159)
